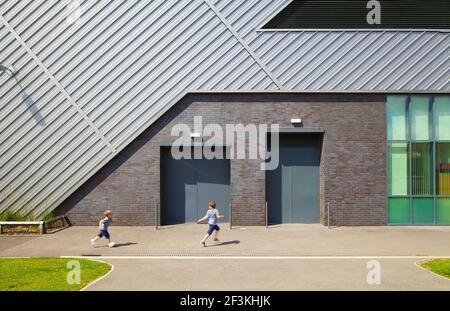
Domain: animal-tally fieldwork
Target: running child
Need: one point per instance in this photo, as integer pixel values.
(212, 215)
(103, 226)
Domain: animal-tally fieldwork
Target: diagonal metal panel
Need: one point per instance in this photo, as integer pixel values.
(58, 85)
(122, 67)
(101, 81)
(39, 133)
(373, 64)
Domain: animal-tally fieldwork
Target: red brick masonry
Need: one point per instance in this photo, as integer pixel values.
(353, 163)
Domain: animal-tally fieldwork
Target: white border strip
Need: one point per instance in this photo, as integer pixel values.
(258, 257)
(306, 91)
(100, 278)
(417, 263)
(272, 15)
(279, 10)
(446, 31)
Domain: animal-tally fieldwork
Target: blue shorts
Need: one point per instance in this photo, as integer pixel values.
(211, 228)
(103, 233)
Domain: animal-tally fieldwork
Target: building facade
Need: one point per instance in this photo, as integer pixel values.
(87, 119)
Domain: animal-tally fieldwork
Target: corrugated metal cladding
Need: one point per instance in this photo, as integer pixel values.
(84, 90)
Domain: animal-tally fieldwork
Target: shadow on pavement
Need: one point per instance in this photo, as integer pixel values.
(165, 227)
(225, 243)
(118, 245)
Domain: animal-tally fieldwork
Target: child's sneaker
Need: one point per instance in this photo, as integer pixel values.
(111, 244)
(216, 239)
(92, 242)
(204, 243)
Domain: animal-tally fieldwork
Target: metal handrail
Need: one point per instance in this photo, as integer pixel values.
(231, 214)
(328, 214)
(267, 217)
(157, 215)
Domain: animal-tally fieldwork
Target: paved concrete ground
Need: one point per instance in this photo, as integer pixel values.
(288, 257)
(11, 241)
(264, 274)
(290, 240)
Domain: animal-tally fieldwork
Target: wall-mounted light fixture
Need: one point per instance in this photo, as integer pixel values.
(195, 135)
(296, 122)
(9, 70)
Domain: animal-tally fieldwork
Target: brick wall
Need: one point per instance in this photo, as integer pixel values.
(352, 172)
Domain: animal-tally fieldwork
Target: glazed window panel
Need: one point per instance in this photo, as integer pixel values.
(423, 211)
(420, 117)
(398, 211)
(396, 118)
(421, 169)
(418, 132)
(442, 117)
(443, 211)
(398, 169)
(443, 169)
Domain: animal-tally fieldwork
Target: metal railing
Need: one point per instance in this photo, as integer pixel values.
(267, 216)
(231, 214)
(157, 217)
(328, 214)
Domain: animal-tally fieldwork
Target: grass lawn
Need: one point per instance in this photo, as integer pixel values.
(438, 266)
(21, 274)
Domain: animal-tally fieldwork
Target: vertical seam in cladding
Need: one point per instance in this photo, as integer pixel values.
(244, 44)
(56, 82)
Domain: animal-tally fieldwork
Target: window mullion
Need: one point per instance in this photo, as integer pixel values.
(408, 136)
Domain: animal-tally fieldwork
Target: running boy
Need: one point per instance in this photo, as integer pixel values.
(212, 215)
(103, 227)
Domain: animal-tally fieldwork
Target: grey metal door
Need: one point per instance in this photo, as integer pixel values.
(292, 190)
(189, 184)
(213, 183)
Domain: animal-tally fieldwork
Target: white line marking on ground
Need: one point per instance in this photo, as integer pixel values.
(100, 278)
(260, 257)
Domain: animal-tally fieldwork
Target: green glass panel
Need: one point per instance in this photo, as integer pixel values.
(396, 117)
(420, 117)
(443, 211)
(442, 117)
(421, 169)
(398, 211)
(398, 169)
(443, 168)
(423, 211)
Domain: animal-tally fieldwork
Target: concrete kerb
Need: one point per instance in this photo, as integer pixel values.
(417, 264)
(100, 278)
